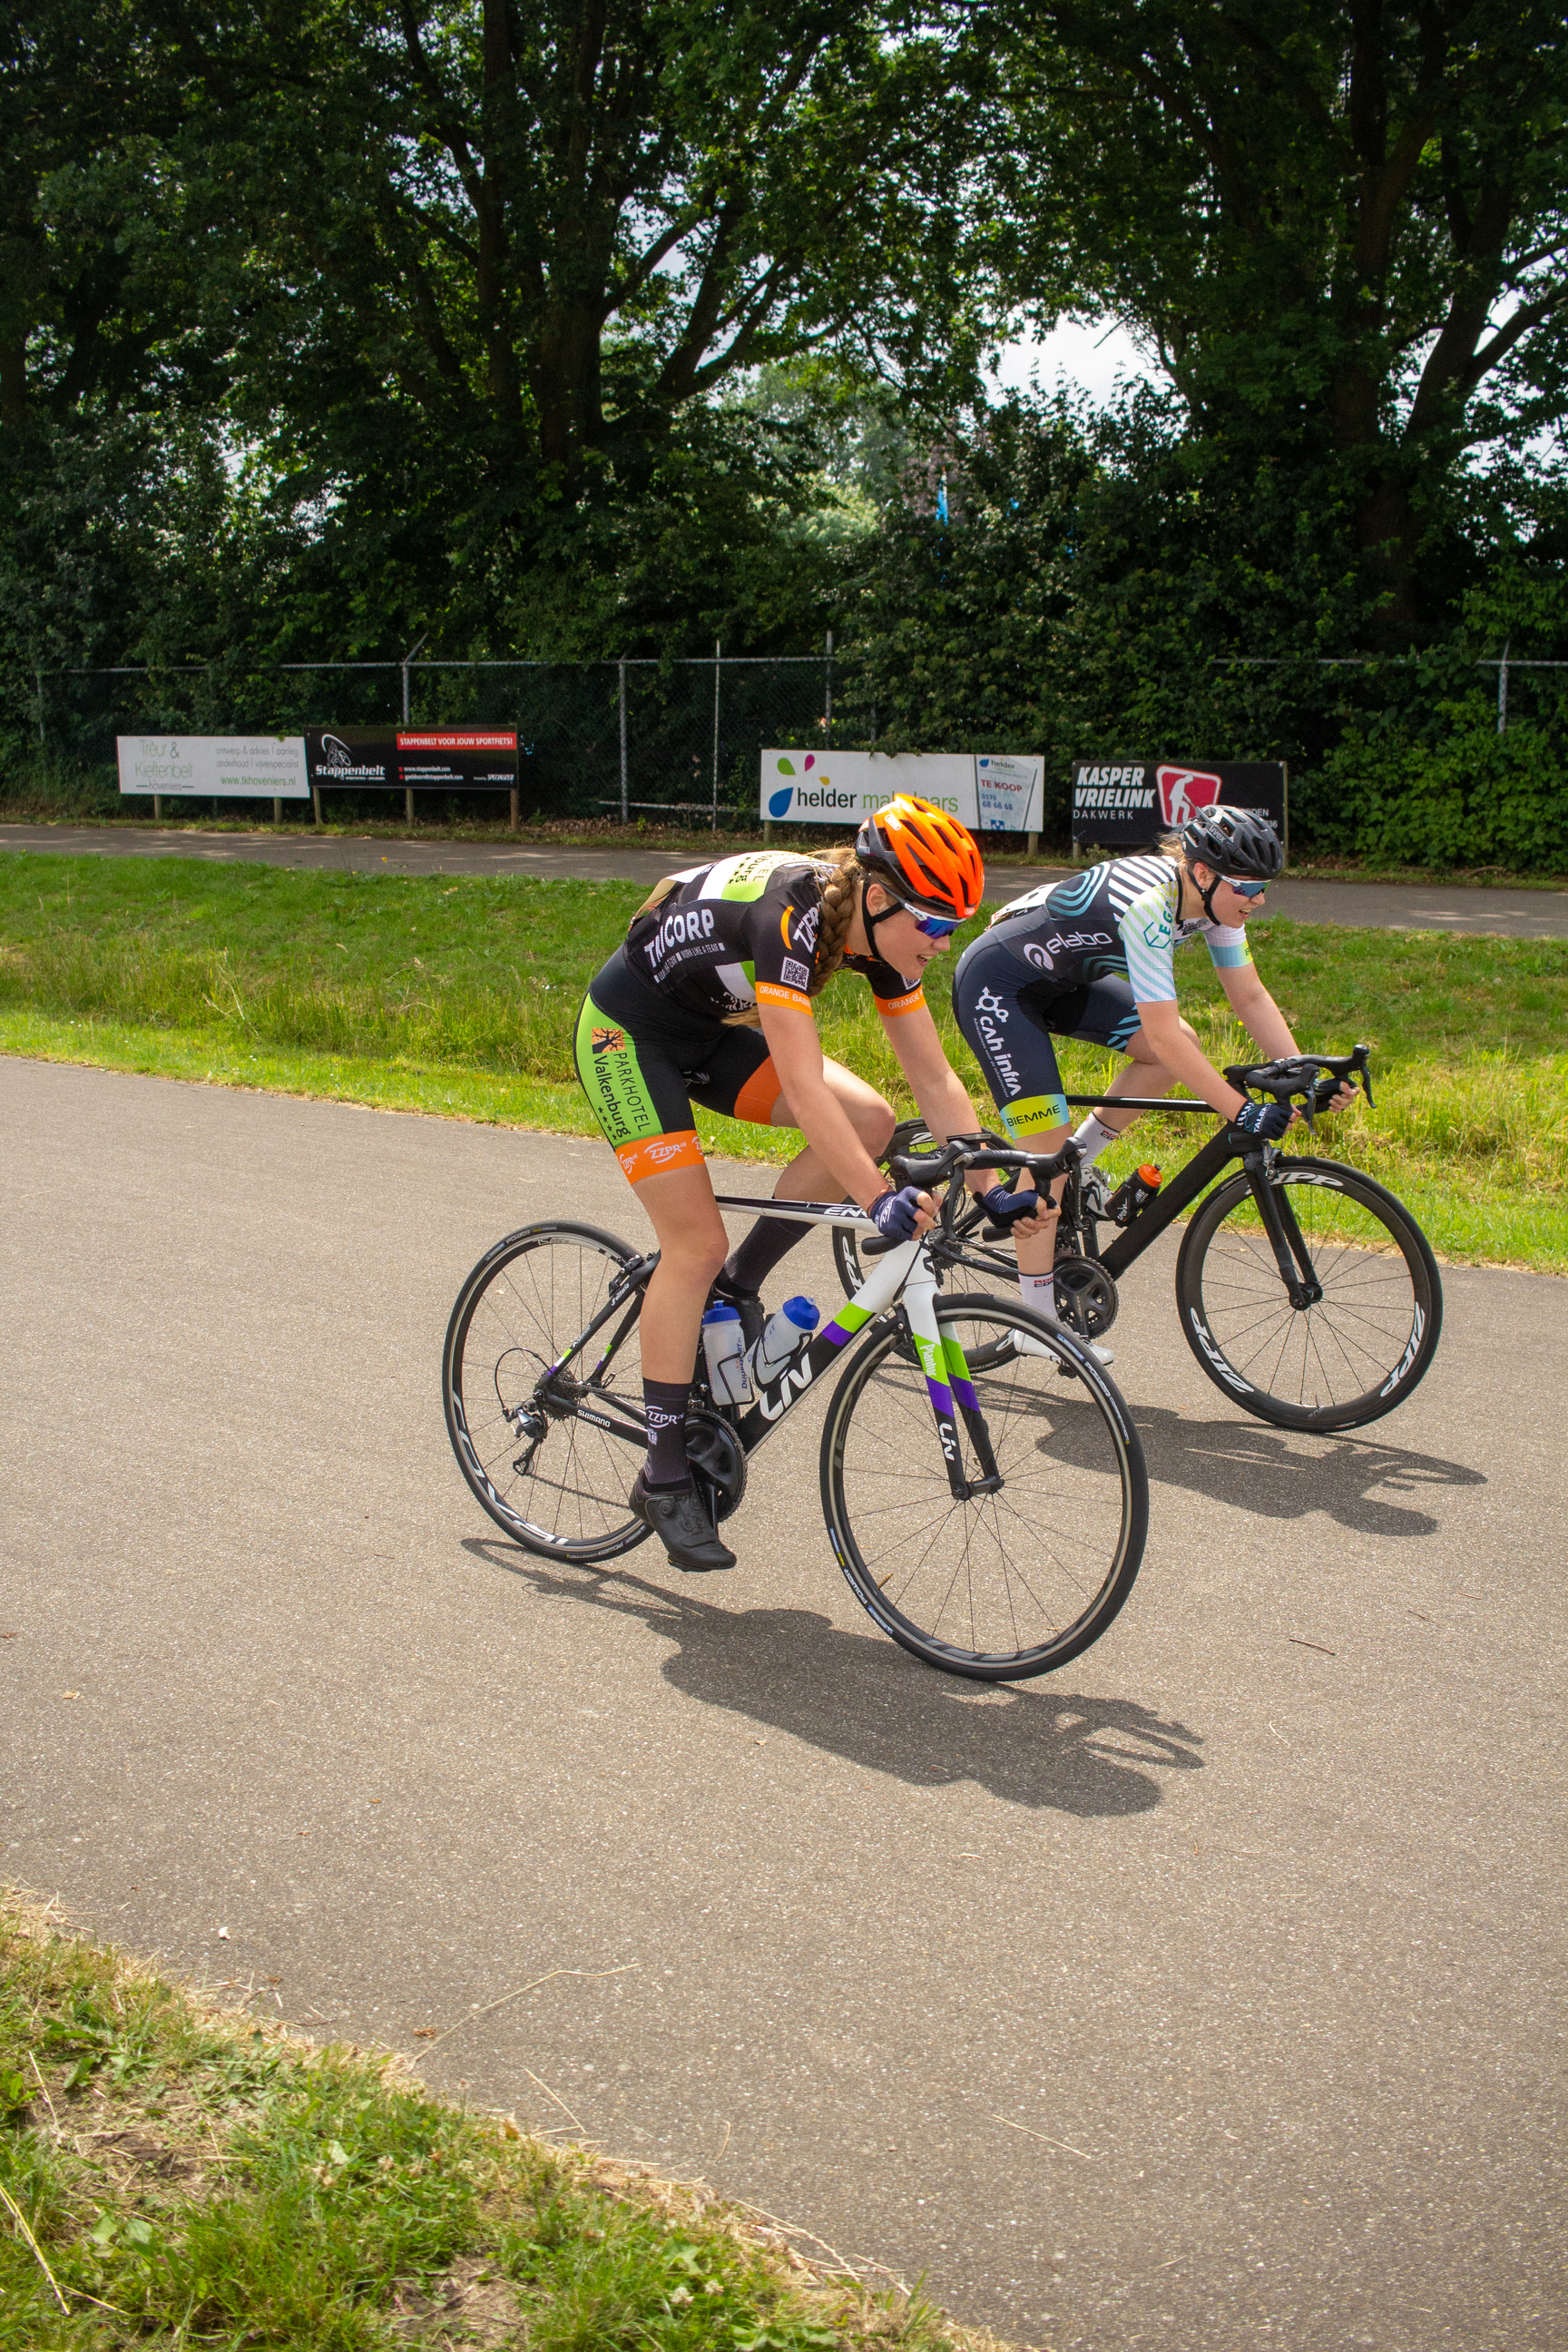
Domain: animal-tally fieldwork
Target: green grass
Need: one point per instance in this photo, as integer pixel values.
(173, 2177)
(457, 997)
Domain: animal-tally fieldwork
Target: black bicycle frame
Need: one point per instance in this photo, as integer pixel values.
(1170, 1201)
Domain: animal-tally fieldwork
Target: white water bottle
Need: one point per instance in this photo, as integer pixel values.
(784, 1334)
(725, 1353)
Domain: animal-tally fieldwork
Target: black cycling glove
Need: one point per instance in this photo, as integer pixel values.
(894, 1213)
(1004, 1208)
(1266, 1122)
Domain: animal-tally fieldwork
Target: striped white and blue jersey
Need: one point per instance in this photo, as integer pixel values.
(1119, 919)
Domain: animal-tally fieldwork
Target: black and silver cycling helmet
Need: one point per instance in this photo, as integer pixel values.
(1235, 846)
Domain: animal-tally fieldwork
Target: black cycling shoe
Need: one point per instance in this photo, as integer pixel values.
(679, 1517)
(753, 1313)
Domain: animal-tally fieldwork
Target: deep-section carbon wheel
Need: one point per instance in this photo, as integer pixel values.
(546, 1456)
(1012, 1581)
(1352, 1354)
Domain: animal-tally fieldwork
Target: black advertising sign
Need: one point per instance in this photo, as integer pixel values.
(1128, 804)
(430, 757)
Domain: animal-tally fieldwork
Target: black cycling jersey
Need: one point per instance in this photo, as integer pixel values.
(655, 1030)
(744, 932)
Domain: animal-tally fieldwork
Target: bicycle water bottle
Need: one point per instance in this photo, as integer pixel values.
(1133, 1193)
(725, 1353)
(784, 1334)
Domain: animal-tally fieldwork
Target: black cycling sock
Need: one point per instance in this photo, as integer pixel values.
(665, 1402)
(770, 1240)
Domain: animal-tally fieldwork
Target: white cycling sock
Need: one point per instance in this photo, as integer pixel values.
(1091, 1139)
(1039, 1291)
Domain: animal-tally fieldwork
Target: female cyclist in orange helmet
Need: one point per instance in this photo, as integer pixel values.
(710, 999)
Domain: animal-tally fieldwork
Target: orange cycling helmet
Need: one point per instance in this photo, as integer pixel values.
(926, 858)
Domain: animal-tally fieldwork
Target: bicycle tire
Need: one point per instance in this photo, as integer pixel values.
(1351, 1358)
(1088, 1496)
(483, 1389)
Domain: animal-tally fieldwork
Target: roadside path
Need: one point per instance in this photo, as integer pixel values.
(1403, 906)
(1204, 1995)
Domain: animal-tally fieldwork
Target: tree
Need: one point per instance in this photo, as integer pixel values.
(99, 243)
(1341, 228)
(540, 235)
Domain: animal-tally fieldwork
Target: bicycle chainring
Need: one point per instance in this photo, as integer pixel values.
(1087, 1299)
(716, 1457)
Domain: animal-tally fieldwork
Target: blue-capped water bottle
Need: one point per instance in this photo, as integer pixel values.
(724, 1351)
(783, 1335)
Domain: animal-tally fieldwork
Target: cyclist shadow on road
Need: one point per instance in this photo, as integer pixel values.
(858, 1697)
(1280, 1473)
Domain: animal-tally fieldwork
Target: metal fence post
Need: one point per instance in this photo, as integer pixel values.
(1502, 688)
(39, 676)
(1285, 844)
(404, 666)
(718, 666)
(827, 710)
(625, 813)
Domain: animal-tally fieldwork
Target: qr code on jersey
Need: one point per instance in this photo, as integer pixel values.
(794, 975)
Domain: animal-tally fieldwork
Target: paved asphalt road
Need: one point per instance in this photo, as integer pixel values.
(1205, 1996)
(1513, 914)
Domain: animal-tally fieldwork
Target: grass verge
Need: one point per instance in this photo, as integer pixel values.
(456, 997)
(173, 2174)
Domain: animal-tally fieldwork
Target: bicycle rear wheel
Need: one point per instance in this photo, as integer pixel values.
(556, 1481)
(1010, 1583)
(1352, 1355)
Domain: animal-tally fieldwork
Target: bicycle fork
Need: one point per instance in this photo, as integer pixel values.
(1291, 1255)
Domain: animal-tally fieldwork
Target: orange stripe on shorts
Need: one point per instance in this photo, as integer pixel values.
(759, 1095)
(659, 1154)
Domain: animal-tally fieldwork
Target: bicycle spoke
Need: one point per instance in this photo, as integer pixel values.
(1007, 1581)
(1344, 1359)
(524, 1316)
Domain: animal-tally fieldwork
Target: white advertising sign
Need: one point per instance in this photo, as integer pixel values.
(239, 767)
(985, 792)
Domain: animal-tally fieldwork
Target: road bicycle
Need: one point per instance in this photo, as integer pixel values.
(988, 1505)
(1307, 1292)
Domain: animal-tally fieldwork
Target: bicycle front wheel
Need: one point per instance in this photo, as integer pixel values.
(1353, 1353)
(555, 1479)
(1013, 1581)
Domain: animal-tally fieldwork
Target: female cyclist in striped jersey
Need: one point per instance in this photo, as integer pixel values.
(710, 999)
(1091, 958)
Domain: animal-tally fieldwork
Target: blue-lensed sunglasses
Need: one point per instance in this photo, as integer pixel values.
(1248, 889)
(932, 926)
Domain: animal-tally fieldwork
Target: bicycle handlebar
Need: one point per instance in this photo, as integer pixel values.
(1299, 1075)
(958, 1155)
(955, 1157)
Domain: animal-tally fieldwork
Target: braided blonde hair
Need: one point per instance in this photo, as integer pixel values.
(840, 896)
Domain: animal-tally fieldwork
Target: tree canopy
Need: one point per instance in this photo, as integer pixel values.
(1342, 229)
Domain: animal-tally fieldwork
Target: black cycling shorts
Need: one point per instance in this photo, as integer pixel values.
(1008, 1019)
(644, 1062)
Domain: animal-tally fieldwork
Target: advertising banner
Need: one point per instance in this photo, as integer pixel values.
(235, 767)
(1128, 804)
(986, 792)
(431, 757)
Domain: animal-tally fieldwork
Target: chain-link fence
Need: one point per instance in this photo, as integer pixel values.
(601, 738)
(663, 740)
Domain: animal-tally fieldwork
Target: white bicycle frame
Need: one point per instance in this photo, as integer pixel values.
(905, 1276)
